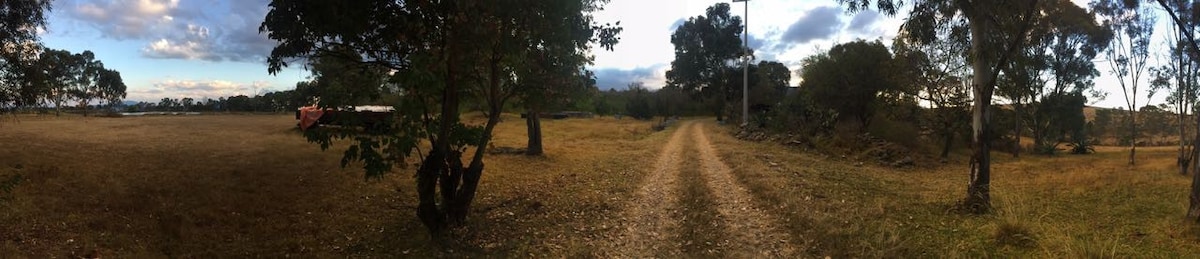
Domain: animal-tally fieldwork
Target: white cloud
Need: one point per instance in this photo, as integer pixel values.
(164, 48)
(205, 30)
(173, 88)
(194, 44)
(126, 19)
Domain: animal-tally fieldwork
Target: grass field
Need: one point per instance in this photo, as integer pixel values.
(250, 186)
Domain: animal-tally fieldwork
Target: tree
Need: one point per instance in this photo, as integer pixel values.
(1177, 77)
(639, 106)
(19, 22)
(1154, 121)
(1184, 17)
(187, 102)
(549, 84)
(86, 85)
(1128, 52)
(166, 104)
(768, 85)
(1067, 110)
(850, 78)
(939, 68)
(1058, 61)
(705, 48)
(340, 78)
(438, 53)
(111, 87)
(993, 25)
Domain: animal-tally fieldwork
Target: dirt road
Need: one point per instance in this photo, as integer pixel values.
(691, 204)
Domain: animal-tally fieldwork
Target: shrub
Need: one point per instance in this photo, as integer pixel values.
(800, 115)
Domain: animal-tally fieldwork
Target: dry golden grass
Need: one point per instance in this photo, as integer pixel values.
(250, 186)
(1063, 206)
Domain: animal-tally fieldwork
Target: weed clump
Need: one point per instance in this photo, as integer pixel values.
(1014, 234)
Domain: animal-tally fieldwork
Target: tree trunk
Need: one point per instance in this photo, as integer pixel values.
(1017, 130)
(1133, 136)
(533, 128)
(948, 139)
(465, 195)
(1182, 160)
(1194, 195)
(978, 198)
(427, 179)
(435, 163)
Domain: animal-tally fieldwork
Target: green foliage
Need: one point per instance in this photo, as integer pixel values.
(1067, 111)
(639, 106)
(340, 78)
(58, 76)
(1082, 145)
(850, 78)
(799, 114)
(705, 48)
(602, 105)
(439, 57)
(19, 23)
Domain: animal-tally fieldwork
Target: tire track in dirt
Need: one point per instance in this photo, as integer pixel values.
(648, 225)
(751, 231)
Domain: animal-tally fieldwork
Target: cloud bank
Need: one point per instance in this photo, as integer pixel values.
(172, 88)
(194, 30)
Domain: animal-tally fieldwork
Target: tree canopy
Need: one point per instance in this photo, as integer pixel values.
(849, 78)
(706, 48)
(438, 54)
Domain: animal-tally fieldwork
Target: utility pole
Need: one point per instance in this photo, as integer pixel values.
(745, 61)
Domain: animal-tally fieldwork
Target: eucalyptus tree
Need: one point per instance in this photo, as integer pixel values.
(1057, 63)
(57, 73)
(940, 70)
(84, 86)
(706, 47)
(1128, 52)
(998, 30)
(439, 54)
(19, 22)
(1183, 14)
(1177, 77)
(111, 87)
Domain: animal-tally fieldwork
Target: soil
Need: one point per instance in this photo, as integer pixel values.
(649, 225)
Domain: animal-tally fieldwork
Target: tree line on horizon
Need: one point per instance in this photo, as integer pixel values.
(35, 77)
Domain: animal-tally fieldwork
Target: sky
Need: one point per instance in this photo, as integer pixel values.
(212, 48)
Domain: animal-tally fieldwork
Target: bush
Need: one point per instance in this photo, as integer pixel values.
(895, 131)
(800, 115)
(638, 106)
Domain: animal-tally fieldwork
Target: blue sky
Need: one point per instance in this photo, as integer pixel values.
(212, 48)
